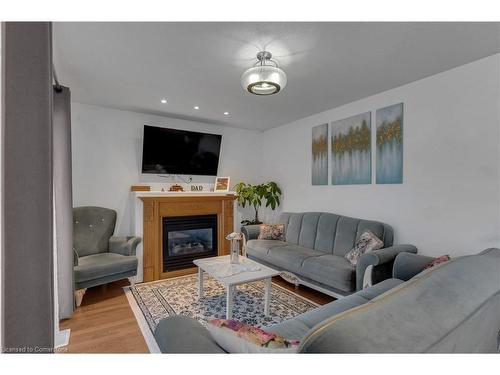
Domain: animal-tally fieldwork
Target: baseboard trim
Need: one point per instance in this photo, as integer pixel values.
(61, 338)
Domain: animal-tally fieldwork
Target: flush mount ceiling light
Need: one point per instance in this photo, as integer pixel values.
(265, 77)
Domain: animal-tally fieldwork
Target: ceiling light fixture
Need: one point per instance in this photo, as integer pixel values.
(226, 113)
(164, 101)
(264, 78)
(196, 107)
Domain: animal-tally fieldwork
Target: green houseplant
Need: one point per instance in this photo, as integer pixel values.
(256, 195)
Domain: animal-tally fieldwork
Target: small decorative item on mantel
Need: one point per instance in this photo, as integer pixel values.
(140, 188)
(176, 187)
(196, 187)
(235, 239)
(221, 184)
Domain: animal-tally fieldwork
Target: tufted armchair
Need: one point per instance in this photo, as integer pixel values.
(100, 258)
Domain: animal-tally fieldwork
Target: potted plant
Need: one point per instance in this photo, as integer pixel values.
(255, 195)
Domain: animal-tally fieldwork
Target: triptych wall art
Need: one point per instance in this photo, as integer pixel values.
(390, 145)
(351, 149)
(350, 145)
(320, 155)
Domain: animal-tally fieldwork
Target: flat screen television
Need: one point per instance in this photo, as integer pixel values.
(173, 151)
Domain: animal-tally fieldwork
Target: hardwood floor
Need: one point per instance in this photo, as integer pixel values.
(105, 323)
(304, 291)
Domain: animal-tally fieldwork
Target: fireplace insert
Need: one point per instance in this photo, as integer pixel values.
(186, 238)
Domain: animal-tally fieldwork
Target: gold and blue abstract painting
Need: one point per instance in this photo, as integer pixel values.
(351, 150)
(320, 155)
(390, 144)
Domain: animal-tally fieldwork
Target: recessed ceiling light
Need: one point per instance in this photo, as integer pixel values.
(226, 113)
(164, 101)
(196, 107)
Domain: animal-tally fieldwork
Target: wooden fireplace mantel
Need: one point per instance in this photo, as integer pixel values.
(155, 207)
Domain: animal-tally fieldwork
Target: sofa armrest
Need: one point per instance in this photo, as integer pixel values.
(376, 258)
(125, 245)
(251, 232)
(181, 334)
(407, 265)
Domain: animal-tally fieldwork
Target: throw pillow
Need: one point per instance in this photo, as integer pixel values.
(272, 232)
(366, 242)
(436, 261)
(237, 337)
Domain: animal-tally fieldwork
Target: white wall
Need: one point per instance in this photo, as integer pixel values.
(449, 201)
(107, 154)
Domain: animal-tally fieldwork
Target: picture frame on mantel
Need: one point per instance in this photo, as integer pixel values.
(222, 184)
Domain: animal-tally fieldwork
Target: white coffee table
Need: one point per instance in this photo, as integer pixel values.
(216, 268)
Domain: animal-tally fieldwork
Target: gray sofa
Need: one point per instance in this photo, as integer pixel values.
(100, 258)
(314, 248)
(450, 308)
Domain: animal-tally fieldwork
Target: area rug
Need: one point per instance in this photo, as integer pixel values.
(154, 301)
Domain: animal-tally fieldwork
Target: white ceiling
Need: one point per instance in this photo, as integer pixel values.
(133, 65)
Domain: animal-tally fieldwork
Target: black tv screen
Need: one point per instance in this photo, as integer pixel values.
(172, 151)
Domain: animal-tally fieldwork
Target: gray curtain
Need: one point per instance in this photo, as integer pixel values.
(27, 268)
(63, 199)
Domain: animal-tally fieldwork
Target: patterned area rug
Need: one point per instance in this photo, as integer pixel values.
(178, 296)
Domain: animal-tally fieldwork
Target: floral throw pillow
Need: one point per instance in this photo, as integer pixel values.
(272, 232)
(436, 261)
(237, 337)
(366, 242)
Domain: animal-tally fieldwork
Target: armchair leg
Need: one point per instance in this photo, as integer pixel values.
(79, 296)
(131, 280)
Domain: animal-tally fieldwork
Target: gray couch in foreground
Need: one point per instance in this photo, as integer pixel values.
(98, 257)
(450, 308)
(314, 248)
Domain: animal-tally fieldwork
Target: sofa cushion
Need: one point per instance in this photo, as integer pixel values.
(272, 232)
(366, 242)
(293, 329)
(95, 266)
(298, 327)
(330, 270)
(92, 229)
(330, 233)
(260, 248)
(291, 257)
(238, 337)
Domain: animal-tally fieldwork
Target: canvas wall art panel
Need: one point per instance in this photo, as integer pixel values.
(351, 150)
(390, 145)
(319, 175)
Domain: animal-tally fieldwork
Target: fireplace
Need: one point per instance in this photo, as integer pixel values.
(160, 205)
(186, 238)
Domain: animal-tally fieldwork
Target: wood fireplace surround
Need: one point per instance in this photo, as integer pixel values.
(155, 208)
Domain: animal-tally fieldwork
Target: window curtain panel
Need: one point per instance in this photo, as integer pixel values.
(63, 199)
(27, 263)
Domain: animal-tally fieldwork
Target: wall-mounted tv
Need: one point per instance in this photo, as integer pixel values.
(173, 151)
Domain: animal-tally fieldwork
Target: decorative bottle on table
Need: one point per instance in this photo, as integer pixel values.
(235, 238)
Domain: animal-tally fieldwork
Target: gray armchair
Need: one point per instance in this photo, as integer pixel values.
(100, 258)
